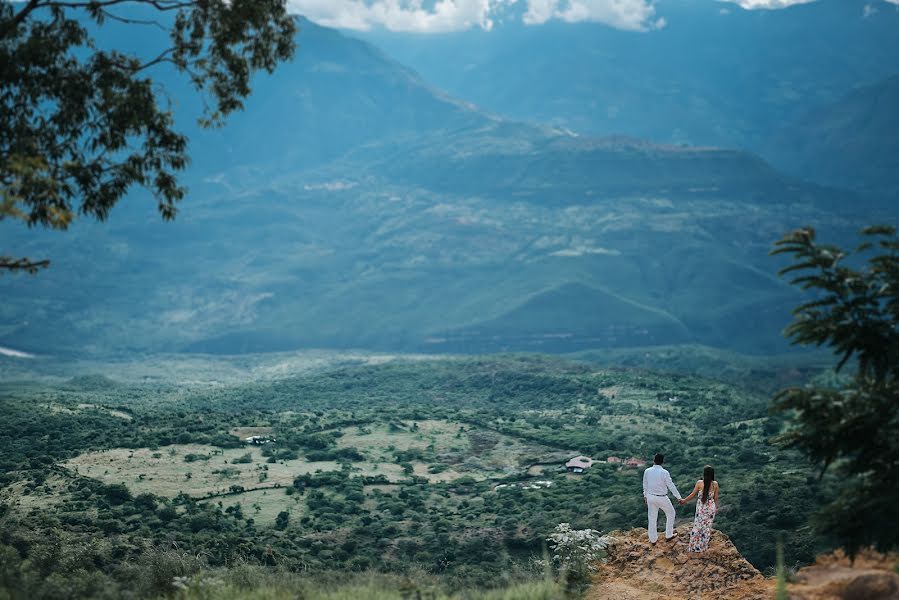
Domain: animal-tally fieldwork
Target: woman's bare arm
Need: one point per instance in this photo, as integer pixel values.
(692, 495)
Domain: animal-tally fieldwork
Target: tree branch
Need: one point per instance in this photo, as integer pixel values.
(7, 263)
(129, 21)
(162, 5)
(26, 10)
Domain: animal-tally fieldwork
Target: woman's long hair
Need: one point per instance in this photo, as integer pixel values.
(708, 476)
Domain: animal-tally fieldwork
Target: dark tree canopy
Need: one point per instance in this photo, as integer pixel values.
(81, 125)
(854, 428)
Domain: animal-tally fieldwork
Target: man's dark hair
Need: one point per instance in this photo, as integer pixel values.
(658, 459)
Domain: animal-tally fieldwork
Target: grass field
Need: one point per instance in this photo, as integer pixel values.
(264, 505)
(444, 452)
(165, 471)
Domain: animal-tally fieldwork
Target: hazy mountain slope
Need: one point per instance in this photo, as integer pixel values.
(517, 161)
(472, 234)
(715, 74)
(386, 267)
(337, 94)
(853, 142)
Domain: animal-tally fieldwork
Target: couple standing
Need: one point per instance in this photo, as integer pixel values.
(657, 482)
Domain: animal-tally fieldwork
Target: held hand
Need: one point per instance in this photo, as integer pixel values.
(681, 501)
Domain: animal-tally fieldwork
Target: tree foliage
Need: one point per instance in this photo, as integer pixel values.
(855, 428)
(576, 552)
(80, 125)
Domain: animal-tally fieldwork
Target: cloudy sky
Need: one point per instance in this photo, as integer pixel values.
(437, 16)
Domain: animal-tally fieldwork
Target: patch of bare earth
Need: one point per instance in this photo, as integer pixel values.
(871, 576)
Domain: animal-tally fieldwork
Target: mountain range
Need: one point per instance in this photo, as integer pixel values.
(714, 74)
(355, 205)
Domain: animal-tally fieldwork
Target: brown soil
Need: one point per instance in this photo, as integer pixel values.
(872, 576)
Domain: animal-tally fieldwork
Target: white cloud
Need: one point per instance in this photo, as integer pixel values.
(456, 15)
(637, 15)
(768, 3)
(774, 4)
(437, 16)
(14, 353)
(399, 15)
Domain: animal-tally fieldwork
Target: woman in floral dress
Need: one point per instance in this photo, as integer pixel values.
(706, 508)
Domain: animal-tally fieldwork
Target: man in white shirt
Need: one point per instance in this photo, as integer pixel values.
(656, 483)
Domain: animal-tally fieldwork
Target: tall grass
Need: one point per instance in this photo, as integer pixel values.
(219, 585)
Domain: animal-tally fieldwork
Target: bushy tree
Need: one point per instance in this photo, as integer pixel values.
(116, 493)
(80, 125)
(853, 428)
(576, 551)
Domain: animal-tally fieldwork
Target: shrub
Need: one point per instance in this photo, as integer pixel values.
(227, 473)
(576, 551)
(116, 493)
(243, 460)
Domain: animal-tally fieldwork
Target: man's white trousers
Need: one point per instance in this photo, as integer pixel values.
(653, 504)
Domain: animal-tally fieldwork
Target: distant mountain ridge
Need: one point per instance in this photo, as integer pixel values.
(344, 106)
(353, 206)
(337, 95)
(853, 142)
(518, 161)
(715, 74)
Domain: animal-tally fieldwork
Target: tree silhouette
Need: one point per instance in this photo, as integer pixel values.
(853, 428)
(80, 125)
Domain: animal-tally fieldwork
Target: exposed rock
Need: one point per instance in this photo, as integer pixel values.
(637, 569)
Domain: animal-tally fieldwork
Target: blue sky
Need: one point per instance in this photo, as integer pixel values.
(438, 16)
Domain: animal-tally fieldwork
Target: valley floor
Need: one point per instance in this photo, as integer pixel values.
(443, 468)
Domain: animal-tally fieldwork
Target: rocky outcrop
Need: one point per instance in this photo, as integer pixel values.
(637, 570)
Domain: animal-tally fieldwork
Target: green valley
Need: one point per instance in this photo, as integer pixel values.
(450, 467)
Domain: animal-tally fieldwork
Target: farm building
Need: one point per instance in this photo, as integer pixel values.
(614, 460)
(259, 440)
(634, 462)
(579, 464)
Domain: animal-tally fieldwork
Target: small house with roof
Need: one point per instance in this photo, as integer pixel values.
(615, 460)
(579, 464)
(634, 463)
(258, 440)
